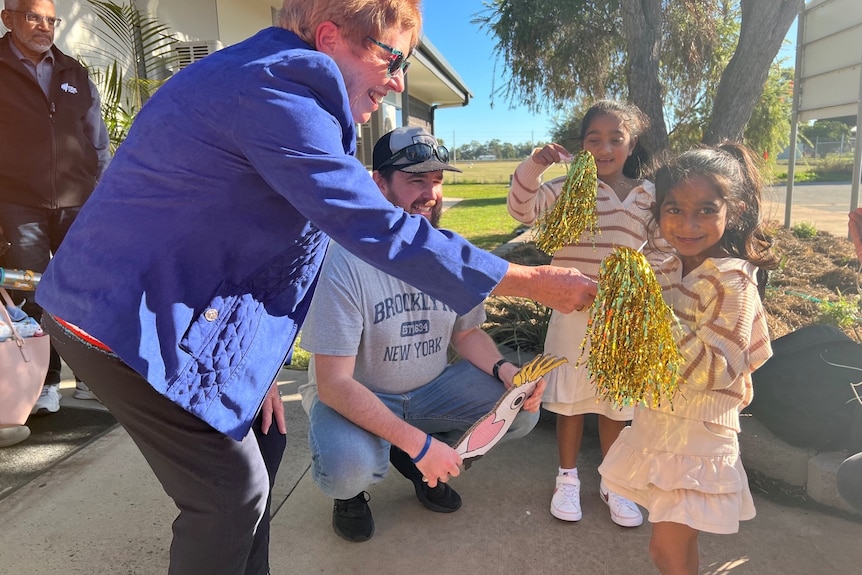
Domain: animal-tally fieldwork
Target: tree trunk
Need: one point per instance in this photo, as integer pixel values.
(763, 27)
(642, 24)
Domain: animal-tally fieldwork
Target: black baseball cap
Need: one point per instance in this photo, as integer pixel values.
(411, 149)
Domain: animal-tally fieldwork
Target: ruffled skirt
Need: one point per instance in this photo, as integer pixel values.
(681, 470)
(569, 389)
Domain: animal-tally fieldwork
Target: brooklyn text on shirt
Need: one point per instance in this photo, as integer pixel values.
(404, 303)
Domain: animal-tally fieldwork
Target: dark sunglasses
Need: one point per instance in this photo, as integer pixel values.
(417, 153)
(397, 60)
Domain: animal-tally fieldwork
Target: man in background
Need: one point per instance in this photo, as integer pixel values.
(53, 150)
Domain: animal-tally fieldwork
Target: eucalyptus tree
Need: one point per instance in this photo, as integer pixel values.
(695, 67)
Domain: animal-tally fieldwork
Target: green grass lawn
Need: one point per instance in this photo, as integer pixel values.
(481, 216)
(494, 172)
(830, 169)
(499, 171)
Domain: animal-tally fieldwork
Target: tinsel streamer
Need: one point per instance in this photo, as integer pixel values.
(633, 356)
(574, 212)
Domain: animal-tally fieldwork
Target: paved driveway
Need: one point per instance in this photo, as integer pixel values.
(824, 205)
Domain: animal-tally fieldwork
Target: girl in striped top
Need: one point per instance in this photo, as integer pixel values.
(681, 460)
(609, 131)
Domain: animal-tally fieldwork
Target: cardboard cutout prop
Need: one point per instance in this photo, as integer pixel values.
(486, 432)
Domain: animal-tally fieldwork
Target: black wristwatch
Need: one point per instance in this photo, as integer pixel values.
(496, 371)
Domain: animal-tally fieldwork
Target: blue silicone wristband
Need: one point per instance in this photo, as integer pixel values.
(422, 453)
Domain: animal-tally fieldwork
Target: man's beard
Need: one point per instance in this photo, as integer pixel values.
(436, 213)
(40, 45)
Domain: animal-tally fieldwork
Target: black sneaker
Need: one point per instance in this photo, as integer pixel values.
(351, 518)
(442, 498)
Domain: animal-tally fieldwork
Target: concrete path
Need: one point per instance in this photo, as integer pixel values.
(824, 205)
(102, 511)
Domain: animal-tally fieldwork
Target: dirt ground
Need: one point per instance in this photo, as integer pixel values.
(818, 282)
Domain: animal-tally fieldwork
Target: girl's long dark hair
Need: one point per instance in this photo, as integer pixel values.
(733, 170)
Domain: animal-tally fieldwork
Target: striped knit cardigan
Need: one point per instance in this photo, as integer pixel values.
(722, 334)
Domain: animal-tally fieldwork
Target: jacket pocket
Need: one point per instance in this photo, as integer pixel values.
(215, 337)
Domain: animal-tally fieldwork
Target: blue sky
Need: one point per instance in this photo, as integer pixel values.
(469, 50)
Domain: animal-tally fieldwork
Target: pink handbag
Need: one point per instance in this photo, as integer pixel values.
(23, 365)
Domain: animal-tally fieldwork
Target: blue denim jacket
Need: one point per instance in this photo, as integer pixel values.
(196, 256)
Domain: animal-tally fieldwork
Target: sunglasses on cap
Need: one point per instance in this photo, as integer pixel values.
(397, 59)
(417, 153)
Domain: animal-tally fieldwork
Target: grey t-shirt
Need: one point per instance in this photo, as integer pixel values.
(398, 334)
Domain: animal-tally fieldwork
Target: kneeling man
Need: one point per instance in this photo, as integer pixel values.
(380, 386)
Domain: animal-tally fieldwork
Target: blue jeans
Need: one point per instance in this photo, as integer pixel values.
(35, 235)
(346, 459)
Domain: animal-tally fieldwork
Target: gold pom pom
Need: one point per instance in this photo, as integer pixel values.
(574, 211)
(633, 356)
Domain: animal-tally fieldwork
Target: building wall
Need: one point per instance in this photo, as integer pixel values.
(243, 18)
(229, 21)
(420, 114)
(189, 19)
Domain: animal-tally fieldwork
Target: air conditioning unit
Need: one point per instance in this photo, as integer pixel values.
(189, 52)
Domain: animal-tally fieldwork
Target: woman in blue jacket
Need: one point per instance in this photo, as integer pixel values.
(179, 290)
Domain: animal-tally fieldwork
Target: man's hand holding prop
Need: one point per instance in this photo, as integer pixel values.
(486, 432)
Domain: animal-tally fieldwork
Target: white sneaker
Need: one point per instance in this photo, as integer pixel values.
(82, 391)
(49, 400)
(623, 511)
(566, 502)
(12, 434)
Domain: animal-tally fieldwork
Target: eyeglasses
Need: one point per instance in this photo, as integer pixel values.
(417, 153)
(397, 60)
(37, 19)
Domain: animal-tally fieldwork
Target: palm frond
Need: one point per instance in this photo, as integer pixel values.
(135, 52)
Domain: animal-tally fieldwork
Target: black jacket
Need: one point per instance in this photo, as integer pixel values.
(46, 158)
